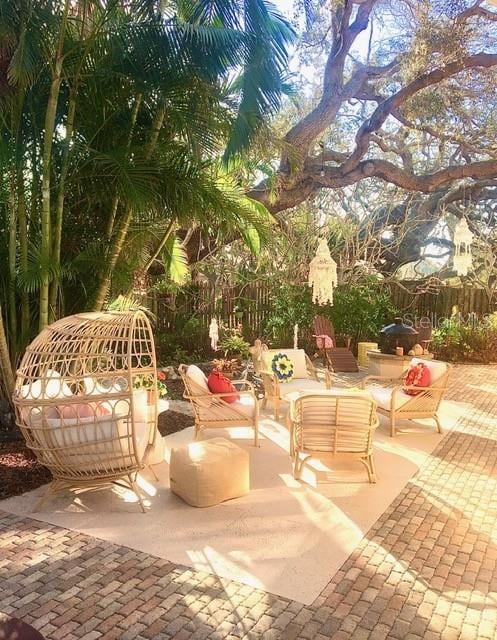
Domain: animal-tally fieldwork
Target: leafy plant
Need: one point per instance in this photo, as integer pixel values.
(361, 309)
(234, 344)
(456, 341)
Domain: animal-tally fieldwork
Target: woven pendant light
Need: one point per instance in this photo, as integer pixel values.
(463, 239)
(322, 275)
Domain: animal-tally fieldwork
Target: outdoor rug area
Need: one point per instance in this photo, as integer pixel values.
(285, 537)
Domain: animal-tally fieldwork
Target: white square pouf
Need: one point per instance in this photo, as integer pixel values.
(205, 473)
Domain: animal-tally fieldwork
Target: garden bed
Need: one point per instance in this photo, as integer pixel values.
(19, 470)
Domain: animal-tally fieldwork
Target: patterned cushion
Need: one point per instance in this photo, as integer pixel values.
(282, 367)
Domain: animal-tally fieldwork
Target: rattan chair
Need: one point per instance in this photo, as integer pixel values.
(306, 377)
(333, 424)
(210, 409)
(77, 402)
(396, 404)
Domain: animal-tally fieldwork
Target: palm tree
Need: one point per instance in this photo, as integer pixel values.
(120, 117)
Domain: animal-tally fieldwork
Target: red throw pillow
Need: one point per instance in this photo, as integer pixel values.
(219, 383)
(417, 376)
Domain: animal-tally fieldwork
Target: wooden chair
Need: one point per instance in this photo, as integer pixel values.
(337, 358)
(211, 411)
(306, 377)
(396, 404)
(333, 424)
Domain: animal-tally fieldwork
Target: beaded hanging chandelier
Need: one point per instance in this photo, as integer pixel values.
(322, 275)
(463, 238)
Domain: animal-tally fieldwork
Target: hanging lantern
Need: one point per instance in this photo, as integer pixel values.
(462, 253)
(214, 333)
(322, 274)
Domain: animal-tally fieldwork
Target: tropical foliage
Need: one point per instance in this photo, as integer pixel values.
(120, 122)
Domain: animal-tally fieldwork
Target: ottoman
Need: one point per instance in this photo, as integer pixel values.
(205, 473)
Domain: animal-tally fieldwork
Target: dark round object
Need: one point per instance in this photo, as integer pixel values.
(15, 629)
(395, 335)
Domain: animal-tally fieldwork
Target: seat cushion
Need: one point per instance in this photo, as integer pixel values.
(208, 472)
(296, 356)
(436, 367)
(383, 398)
(301, 385)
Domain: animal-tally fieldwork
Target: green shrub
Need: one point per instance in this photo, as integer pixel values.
(361, 309)
(458, 342)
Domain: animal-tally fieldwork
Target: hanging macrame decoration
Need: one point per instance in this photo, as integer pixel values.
(214, 333)
(322, 275)
(463, 238)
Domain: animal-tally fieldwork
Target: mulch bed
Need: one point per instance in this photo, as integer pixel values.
(173, 421)
(19, 470)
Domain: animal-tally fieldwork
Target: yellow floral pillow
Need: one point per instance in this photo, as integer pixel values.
(282, 367)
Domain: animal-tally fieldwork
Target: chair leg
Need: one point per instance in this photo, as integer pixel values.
(392, 424)
(152, 471)
(372, 473)
(264, 402)
(437, 420)
(297, 468)
(134, 488)
(196, 432)
(276, 409)
(256, 433)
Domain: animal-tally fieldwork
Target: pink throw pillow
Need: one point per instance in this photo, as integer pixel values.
(83, 410)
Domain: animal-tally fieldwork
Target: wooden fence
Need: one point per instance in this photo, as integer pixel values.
(411, 300)
(251, 304)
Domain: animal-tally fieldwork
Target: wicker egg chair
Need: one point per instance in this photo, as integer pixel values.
(82, 399)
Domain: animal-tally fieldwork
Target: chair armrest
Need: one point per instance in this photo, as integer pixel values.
(367, 379)
(210, 396)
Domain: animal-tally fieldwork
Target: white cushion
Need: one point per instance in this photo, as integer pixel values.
(199, 379)
(437, 369)
(383, 398)
(301, 385)
(94, 443)
(50, 386)
(208, 472)
(296, 356)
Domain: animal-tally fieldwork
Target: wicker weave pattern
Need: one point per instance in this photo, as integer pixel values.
(333, 425)
(76, 402)
(212, 412)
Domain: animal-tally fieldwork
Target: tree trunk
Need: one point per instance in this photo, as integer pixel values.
(50, 116)
(59, 208)
(12, 266)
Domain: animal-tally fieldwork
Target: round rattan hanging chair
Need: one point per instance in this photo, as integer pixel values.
(85, 399)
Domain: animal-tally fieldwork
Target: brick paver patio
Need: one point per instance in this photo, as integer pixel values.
(427, 569)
